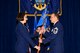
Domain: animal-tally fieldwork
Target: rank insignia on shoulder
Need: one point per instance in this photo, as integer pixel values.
(55, 30)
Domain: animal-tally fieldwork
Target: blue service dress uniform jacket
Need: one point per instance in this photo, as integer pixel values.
(55, 38)
(23, 39)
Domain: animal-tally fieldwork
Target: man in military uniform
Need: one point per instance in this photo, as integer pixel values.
(23, 37)
(55, 36)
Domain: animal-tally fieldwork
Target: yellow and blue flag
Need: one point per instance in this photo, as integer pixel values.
(28, 6)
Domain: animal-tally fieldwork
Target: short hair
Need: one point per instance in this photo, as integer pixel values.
(20, 16)
(56, 14)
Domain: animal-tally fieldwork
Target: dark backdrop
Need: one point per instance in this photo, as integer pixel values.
(70, 20)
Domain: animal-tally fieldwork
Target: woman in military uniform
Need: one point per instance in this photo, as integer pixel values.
(23, 37)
